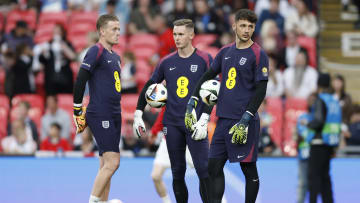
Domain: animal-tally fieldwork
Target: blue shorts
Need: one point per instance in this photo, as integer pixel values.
(221, 146)
(106, 130)
(177, 137)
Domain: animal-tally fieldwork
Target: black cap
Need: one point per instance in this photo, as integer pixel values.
(21, 24)
(324, 80)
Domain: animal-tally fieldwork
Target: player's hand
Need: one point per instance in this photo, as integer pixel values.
(138, 125)
(79, 119)
(201, 127)
(239, 131)
(190, 115)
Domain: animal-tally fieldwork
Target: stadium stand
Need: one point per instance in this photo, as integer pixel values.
(29, 16)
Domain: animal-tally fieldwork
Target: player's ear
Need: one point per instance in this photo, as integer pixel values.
(234, 26)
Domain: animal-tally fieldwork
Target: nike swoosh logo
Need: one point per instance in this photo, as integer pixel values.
(109, 61)
(240, 156)
(172, 68)
(227, 58)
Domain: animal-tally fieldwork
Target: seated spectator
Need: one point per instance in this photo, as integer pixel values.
(288, 53)
(53, 5)
(92, 38)
(55, 115)
(22, 114)
(20, 142)
(141, 18)
(357, 23)
(275, 86)
(302, 21)
(56, 57)
(224, 39)
(271, 14)
(266, 145)
(19, 35)
(128, 70)
(87, 144)
(20, 77)
(353, 137)
(54, 141)
(206, 20)
(179, 12)
(284, 7)
(301, 80)
(270, 37)
(119, 9)
(129, 143)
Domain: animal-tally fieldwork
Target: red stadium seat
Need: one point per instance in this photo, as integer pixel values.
(83, 17)
(121, 46)
(141, 79)
(2, 22)
(143, 67)
(79, 42)
(65, 102)
(40, 83)
(44, 33)
(75, 68)
(128, 105)
(53, 18)
(144, 53)
(309, 44)
(29, 16)
(144, 40)
(80, 29)
(205, 39)
(4, 112)
(2, 80)
(274, 106)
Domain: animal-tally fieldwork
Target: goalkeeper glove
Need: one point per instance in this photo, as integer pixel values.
(138, 125)
(79, 118)
(240, 130)
(201, 127)
(190, 115)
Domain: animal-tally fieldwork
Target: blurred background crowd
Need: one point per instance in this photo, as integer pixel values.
(42, 43)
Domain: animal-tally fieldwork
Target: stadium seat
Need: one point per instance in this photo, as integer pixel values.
(83, 17)
(40, 83)
(80, 29)
(309, 44)
(205, 39)
(2, 80)
(75, 68)
(121, 46)
(143, 53)
(2, 22)
(53, 18)
(4, 112)
(44, 33)
(65, 102)
(29, 16)
(144, 40)
(79, 42)
(143, 67)
(128, 105)
(274, 106)
(141, 79)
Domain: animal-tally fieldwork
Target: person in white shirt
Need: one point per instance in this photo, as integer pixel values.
(275, 86)
(302, 21)
(20, 142)
(301, 79)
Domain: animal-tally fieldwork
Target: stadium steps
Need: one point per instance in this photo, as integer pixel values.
(332, 59)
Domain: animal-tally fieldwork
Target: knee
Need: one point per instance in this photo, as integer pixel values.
(156, 177)
(112, 165)
(178, 172)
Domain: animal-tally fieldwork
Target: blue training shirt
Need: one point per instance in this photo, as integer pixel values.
(181, 76)
(241, 70)
(104, 82)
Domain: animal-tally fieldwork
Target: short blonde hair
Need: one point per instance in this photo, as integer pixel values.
(188, 23)
(104, 19)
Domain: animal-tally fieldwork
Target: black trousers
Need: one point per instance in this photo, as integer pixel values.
(318, 174)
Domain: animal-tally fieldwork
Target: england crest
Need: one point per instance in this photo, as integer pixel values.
(105, 124)
(193, 68)
(242, 61)
(165, 130)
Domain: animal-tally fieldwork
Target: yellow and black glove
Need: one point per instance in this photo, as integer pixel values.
(79, 119)
(190, 115)
(239, 131)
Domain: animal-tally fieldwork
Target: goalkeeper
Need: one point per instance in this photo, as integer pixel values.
(244, 69)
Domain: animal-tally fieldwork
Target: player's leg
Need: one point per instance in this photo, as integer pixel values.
(217, 159)
(252, 181)
(302, 181)
(161, 163)
(176, 145)
(326, 190)
(315, 172)
(199, 151)
(107, 135)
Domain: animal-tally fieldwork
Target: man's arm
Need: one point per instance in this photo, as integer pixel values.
(319, 116)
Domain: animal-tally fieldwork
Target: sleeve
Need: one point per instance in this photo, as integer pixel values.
(311, 29)
(319, 116)
(216, 64)
(262, 68)
(90, 59)
(158, 75)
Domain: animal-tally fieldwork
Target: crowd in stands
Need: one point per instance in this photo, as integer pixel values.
(42, 43)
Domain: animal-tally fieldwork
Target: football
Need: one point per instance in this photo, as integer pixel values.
(156, 95)
(209, 92)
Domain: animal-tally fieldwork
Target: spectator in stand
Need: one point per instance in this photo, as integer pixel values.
(288, 54)
(206, 20)
(357, 23)
(284, 7)
(119, 9)
(141, 18)
(271, 14)
(19, 35)
(55, 115)
(92, 38)
(56, 56)
(166, 39)
(128, 70)
(87, 144)
(179, 12)
(54, 141)
(20, 77)
(270, 37)
(338, 89)
(224, 39)
(22, 114)
(20, 142)
(266, 145)
(302, 21)
(353, 138)
(53, 5)
(275, 86)
(301, 79)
